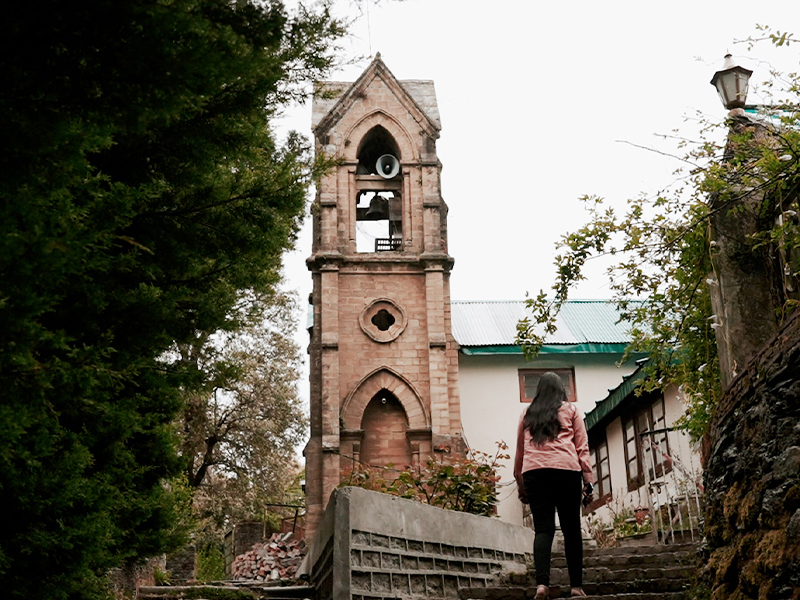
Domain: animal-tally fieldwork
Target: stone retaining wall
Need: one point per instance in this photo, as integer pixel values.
(240, 538)
(182, 566)
(373, 546)
(752, 478)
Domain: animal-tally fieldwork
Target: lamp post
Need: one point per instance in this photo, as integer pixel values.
(731, 83)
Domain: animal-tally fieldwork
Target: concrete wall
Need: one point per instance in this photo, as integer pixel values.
(491, 407)
(373, 546)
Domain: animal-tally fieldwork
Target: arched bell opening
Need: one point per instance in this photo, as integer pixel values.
(384, 427)
(379, 219)
(377, 142)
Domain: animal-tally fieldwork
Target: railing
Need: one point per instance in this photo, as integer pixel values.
(388, 244)
(673, 477)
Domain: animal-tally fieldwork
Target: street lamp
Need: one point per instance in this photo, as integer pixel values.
(731, 84)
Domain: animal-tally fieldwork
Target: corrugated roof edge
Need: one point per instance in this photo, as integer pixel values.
(551, 348)
(606, 301)
(616, 396)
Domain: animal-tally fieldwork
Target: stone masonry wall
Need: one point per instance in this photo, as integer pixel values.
(753, 478)
(360, 355)
(373, 546)
(241, 538)
(182, 566)
(353, 358)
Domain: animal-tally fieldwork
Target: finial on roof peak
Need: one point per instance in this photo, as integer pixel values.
(377, 56)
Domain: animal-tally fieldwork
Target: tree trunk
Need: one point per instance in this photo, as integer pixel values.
(747, 295)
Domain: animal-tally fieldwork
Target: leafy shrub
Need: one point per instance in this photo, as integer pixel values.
(210, 564)
(624, 523)
(465, 483)
(161, 577)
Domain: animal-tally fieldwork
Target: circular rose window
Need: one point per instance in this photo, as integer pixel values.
(383, 320)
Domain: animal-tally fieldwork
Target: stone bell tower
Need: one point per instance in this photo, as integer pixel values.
(384, 364)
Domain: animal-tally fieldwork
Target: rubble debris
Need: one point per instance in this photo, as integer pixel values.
(274, 560)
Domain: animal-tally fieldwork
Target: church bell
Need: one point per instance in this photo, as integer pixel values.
(378, 209)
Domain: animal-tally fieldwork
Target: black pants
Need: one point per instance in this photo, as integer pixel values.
(549, 490)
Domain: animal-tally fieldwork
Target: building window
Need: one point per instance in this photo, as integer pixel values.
(653, 439)
(646, 444)
(529, 379)
(633, 461)
(601, 472)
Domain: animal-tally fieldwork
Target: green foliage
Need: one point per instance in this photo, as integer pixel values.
(665, 259)
(241, 425)
(142, 194)
(161, 577)
(465, 484)
(663, 268)
(628, 528)
(211, 563)
(601, 533)
(624, 523)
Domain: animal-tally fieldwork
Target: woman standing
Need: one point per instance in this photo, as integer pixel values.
(552, 467)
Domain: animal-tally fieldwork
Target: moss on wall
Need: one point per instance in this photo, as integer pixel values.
(753, 479)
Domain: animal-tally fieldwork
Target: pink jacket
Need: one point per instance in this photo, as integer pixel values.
(569, 451)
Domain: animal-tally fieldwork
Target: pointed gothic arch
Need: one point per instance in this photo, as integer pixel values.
(383, 378)
(393, 127)
(375, 143)
(384, 426)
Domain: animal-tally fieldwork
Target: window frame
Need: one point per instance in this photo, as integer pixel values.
(569, 371)
(636, 481)
(635, 418)
(664, 464)
(602, 495)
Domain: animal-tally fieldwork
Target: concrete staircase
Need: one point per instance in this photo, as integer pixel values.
(629, 573)
(626, 573)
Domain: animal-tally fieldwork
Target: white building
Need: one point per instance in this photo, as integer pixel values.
(643, 465)
(496, 382)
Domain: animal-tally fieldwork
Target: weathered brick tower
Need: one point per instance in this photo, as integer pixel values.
(384, 365)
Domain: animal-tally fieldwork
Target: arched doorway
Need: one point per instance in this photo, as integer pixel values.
(385, 425)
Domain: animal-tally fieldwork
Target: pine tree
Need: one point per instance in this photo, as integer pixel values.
(142, 194)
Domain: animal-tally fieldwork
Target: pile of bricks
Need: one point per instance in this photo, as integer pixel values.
(274, 560)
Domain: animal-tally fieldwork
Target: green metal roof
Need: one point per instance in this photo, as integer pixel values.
(547, 349)
(582, 326)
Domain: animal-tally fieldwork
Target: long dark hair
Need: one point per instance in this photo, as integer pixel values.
(541, 418)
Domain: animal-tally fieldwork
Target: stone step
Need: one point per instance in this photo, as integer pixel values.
(610, 588)
(628, 560)
(627, 573)
(190, 591)
(635, 586)
(228, 590)
(606, 575)
(294, 592)
(527, 593)
(640, 596)
(639, 550)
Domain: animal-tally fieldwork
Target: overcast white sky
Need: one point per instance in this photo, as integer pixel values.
(541, 102)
